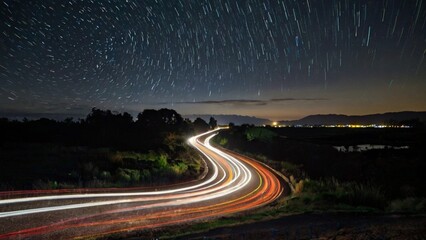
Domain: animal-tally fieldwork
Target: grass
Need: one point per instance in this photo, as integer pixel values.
(260, 133)
(333, 196)
(410, 204)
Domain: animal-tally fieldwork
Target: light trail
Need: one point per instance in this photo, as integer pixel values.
(234, 183)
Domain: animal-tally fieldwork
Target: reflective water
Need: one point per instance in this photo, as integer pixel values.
(366, 147)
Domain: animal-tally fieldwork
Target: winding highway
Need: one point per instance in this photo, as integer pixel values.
(233, 183)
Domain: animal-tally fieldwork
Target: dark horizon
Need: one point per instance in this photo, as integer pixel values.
(238, 119)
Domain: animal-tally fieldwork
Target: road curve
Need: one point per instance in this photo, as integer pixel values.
(232, 184)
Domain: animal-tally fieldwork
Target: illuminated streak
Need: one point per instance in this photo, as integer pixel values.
(174, 222)
(201, 209)
(232, 187)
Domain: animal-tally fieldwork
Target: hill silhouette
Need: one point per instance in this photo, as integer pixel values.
(383, 118)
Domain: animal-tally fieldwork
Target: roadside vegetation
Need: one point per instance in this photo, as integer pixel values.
(106, 149)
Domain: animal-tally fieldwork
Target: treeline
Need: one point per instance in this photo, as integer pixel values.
(104, 149)
(104, 128)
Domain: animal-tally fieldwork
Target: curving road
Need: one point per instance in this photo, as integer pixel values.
(233, 183)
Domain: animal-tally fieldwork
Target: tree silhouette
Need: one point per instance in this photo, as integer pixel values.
(200, 125)
(212, 123)
(149, 118)
(163, 119)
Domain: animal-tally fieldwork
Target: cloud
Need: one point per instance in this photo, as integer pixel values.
(229, 102)
(296, 99)
(253, 102)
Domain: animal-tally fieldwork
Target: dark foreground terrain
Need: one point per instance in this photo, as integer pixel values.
(389, 178)
(325, 226)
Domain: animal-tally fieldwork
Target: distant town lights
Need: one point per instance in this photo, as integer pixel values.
(276, 124)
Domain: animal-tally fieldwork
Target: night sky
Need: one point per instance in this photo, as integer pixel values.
(277, 59)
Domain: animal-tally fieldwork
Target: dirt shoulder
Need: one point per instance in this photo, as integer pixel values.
(325, 226)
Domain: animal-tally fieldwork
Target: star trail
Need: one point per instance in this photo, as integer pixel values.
(214, 57)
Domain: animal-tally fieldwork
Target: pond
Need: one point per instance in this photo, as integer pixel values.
(367, 147)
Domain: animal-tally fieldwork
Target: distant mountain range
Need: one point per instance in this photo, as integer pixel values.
(226, 119)
(330, 119)
(222, 119)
